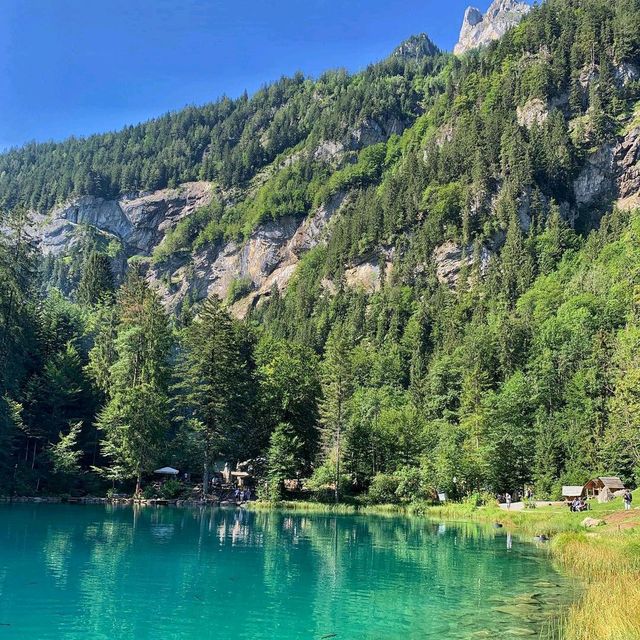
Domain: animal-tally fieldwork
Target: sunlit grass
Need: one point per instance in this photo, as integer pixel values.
(609, 565)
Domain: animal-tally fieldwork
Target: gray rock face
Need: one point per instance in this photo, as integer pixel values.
(479, 30)
(534, 111)
(369, 131)
(449, 258)
(415, 47)
(613, 171)
(138, 222)
(268, 258)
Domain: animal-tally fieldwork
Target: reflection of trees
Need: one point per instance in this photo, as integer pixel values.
(212, 572)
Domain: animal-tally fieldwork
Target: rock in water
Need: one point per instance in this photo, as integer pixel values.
(479, 30)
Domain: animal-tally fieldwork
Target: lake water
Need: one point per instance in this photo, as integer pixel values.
(101, 572)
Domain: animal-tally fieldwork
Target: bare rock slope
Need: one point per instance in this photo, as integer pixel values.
(479, 30)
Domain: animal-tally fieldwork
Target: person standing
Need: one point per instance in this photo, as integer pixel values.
(507, 499)
(628, 498)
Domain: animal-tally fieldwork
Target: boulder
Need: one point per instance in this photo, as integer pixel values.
(592, 522)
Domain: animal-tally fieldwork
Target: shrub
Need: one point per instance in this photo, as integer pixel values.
(171, 489)
(239, 288)
(384, 488)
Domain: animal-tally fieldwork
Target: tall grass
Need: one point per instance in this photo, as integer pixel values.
(609, 565)
(609, 610)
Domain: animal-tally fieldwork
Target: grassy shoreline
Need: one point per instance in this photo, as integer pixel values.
(605, 558)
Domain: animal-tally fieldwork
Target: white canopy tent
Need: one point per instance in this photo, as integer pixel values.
(167, 471)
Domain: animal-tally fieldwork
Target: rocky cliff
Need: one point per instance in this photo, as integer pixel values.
(269, 256)
(479, 30)
(138, 222)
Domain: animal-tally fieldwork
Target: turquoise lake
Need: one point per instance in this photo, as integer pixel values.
(106, 572)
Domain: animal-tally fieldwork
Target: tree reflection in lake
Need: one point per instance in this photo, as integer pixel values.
(119, 572)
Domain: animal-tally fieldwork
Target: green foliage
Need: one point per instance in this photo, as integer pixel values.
(214, 383)
(64, 454)
(525, 374)
(96, 281)
(239, 288)
(135, 419)
(284, 459)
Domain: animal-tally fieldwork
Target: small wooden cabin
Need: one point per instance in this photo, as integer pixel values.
(595, 486)
(571, 492)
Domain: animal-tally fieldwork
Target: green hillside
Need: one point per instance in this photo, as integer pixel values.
(516, 367)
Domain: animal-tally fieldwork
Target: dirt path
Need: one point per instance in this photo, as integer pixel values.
(623, 519)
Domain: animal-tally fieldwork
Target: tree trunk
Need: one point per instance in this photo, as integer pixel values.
(205, 480)
(337, 489)
(139, 482)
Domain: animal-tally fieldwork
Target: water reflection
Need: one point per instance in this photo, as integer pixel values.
(120, 572)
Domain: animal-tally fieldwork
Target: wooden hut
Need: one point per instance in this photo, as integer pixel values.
(594, 487)
(571, 492)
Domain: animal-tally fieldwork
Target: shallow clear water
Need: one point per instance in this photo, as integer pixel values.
(94, 572)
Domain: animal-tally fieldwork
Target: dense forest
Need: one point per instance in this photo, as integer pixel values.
(526, 373)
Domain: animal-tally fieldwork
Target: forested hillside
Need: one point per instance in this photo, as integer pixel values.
(466, 319)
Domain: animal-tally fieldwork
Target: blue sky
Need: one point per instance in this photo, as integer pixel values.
(75, 67)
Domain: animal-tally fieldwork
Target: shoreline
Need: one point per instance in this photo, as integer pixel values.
(604, 557)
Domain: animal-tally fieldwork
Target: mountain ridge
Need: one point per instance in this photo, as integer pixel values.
(480, 29)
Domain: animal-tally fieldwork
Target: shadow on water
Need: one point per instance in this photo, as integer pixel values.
(88, 572)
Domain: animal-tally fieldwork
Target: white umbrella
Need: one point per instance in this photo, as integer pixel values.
(167, 471)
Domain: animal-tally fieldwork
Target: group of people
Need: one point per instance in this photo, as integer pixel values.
(578, 504)
(242, 495)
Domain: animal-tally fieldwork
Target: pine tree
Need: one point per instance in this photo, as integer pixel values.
(136, 418)
(96, 282)
(284, 458)
(337, 387)
(214, 382)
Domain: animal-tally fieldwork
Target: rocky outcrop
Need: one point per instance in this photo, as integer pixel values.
(370, 275)
(268, 258)
(534, 111)
(450, 258)
(369, 131)
(415, 47)
(479, 30)
(611, 173)
(137, 222)
(627, 162)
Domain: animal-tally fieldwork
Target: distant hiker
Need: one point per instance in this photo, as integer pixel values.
(507, 499)
(628, 498)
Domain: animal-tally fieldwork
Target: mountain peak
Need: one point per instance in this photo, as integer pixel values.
(415, 47)
(479, 30)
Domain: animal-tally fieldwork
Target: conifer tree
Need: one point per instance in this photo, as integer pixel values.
(136, 417)
(96, 281)
(214, 382)
(337, 387)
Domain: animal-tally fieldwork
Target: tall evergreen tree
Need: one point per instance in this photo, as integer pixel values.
(337, 387)
(136, 417)
(215, 383)
(96, 281)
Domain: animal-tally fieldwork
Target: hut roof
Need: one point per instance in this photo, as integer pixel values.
(612, 482)
(167, 471)
(572, 491)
